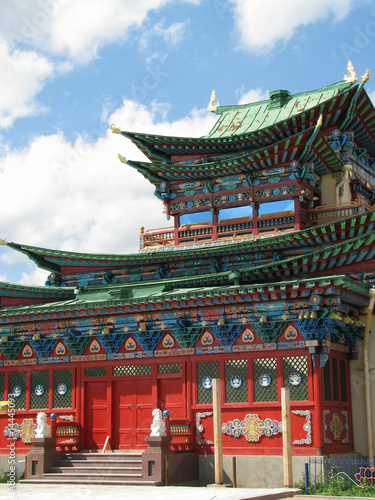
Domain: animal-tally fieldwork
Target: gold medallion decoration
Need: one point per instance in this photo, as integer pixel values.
(290, 333)
(130, 344)
(248, 336)
(95, 346)
(60, 349)
(27, 352)
(168, 341)
(207, 338)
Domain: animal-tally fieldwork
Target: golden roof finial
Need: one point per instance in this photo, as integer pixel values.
(351, 77)
(365, 77)
(3, 242)
(122, 159)
(213, 102)
(115, 130)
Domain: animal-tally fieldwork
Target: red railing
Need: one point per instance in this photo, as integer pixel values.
(231, 229)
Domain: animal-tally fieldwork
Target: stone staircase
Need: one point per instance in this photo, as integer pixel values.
(95, 468)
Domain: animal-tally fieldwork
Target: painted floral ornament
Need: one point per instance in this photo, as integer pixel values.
(295, 378)
(16, 391)
(39, 390)
(236, 381)
(264, 380)
(62, 389)
(207, 382)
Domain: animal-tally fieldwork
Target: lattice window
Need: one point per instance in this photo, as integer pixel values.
(295, 377)
(2, 386)
(206, 372)
(265, 379)
(236, 381)
(96, 372)
(17, 387)
(170, 368)
(62, 389)
(335, 380)
(327, 382)
(39, 390)
(343, 387)
(119, 371)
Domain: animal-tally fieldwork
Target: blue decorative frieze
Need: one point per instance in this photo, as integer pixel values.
(227, 334)
(43, 347)
(111, 342)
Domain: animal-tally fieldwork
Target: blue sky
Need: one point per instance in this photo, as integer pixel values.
(70, 68)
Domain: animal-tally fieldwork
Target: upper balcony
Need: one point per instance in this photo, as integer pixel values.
(231, 230)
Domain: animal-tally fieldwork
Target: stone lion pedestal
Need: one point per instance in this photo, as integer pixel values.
(154, 459)
(41, 458)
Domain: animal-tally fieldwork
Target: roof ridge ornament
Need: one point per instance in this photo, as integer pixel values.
(365, 77)
(3, 242)
(351, 77)
(214, 104)
(115, 129)
(122, 158)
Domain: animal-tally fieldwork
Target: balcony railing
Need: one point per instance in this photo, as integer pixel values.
(325, 213)
(235, 229)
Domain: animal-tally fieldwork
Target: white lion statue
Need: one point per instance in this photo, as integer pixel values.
(158, 426)
(42, 428)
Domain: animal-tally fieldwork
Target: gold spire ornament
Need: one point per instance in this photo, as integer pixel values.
(122, 158)
(115, 130)
(213, 102)
(3, 242)
(366, 77)
(351, 77)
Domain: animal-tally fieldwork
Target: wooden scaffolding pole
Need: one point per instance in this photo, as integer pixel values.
(218, 445)
(287, 438)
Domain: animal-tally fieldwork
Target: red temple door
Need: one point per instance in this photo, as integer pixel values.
(95, 427)
(132, 413)
(171, 396)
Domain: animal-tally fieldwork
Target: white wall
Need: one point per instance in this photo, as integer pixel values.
(358, 394)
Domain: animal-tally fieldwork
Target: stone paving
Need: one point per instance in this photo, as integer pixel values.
(100, 492)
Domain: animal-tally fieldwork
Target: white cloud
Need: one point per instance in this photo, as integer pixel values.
(80, 197)
(23, 74)
(261, 25)
(252, 95)
(173, 34)
(77, 28)
(372, 97)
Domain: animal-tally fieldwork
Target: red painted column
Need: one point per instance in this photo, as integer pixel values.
(297, 214)
(255, 218)
(317, 429)
(214, 224)
(176, 219)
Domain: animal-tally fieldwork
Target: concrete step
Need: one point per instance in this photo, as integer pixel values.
(98, 476)
(100, 463)
(106, 481)
(95, 470)
(101, 456)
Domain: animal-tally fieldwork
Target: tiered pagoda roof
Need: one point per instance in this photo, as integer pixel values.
(322, 271)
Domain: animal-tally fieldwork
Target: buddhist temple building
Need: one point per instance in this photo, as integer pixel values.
(263, 280)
